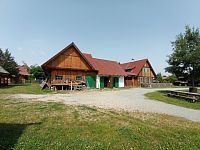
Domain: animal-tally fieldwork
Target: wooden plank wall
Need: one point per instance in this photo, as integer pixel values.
(69, 64)
(135, 80)
(146, 74)
(3, 80)
(69, 59)
(129, 81)
(109, 84)
(69, 75)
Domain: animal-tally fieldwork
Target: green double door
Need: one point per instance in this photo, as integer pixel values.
(102, 83)
(90, 81)
(115, 82)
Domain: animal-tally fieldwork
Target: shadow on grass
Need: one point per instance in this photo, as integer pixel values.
(10, 133)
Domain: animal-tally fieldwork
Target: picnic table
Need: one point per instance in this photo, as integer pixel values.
(191, 97)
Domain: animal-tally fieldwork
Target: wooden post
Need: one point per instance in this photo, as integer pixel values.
(71, 85)
(6, 81)
(110, 81)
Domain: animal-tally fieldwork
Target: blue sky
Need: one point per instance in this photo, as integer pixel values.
(35, 30)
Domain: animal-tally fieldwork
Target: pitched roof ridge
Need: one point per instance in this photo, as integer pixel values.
(141, 60)
(134, 61)
(105, 60)
(86, 53)
(64, 49)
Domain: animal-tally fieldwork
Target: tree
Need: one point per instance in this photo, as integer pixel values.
(8, 63)
(159, 78)
(185, 59)
(37, 72)
(172, 78)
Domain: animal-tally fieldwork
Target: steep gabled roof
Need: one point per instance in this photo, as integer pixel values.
(23, 70)
(65, 49)
(136, 66)
(105, 67)
(3, 71)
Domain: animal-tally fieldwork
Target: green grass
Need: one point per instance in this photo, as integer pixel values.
(39, 125)
(33, 88)
(161, 96)
(173, 86)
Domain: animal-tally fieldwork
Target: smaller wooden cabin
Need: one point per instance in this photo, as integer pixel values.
(4, 76)
(23, 73)
(138, 73)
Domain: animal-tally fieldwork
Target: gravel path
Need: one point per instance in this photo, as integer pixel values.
(129, 99)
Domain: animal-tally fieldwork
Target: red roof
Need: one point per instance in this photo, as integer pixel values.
(105, 67)
(23, 70)
(131, 74)
(136, 66)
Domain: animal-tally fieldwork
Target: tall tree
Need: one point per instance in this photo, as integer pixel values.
(185, 59)
(37, 72)
(8, 63)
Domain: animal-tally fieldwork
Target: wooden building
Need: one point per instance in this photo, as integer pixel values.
(71, 66)
(110, 74)
(23, 73)
(68, 67)
(4, 77)
(138, 72)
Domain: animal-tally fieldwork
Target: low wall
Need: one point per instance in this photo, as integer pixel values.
(158, 85)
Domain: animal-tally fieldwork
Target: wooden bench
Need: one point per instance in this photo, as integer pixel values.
(78, 87)
(191, 97)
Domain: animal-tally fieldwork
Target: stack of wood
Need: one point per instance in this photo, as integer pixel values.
(44, 85)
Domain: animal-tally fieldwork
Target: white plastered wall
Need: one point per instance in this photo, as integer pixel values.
(121, 81)
(98, 82)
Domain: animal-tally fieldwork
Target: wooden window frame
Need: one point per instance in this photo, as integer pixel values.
(81, 78)
(58, 77)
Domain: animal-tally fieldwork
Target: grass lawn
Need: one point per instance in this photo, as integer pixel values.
(161, 96)
(33, 88)
(39, 125)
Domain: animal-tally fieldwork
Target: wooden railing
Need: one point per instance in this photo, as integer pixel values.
(192, 97)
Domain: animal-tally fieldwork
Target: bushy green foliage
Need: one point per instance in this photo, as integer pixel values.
(159, 78)
(37, 72)
(172, 78)
(185, 59)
